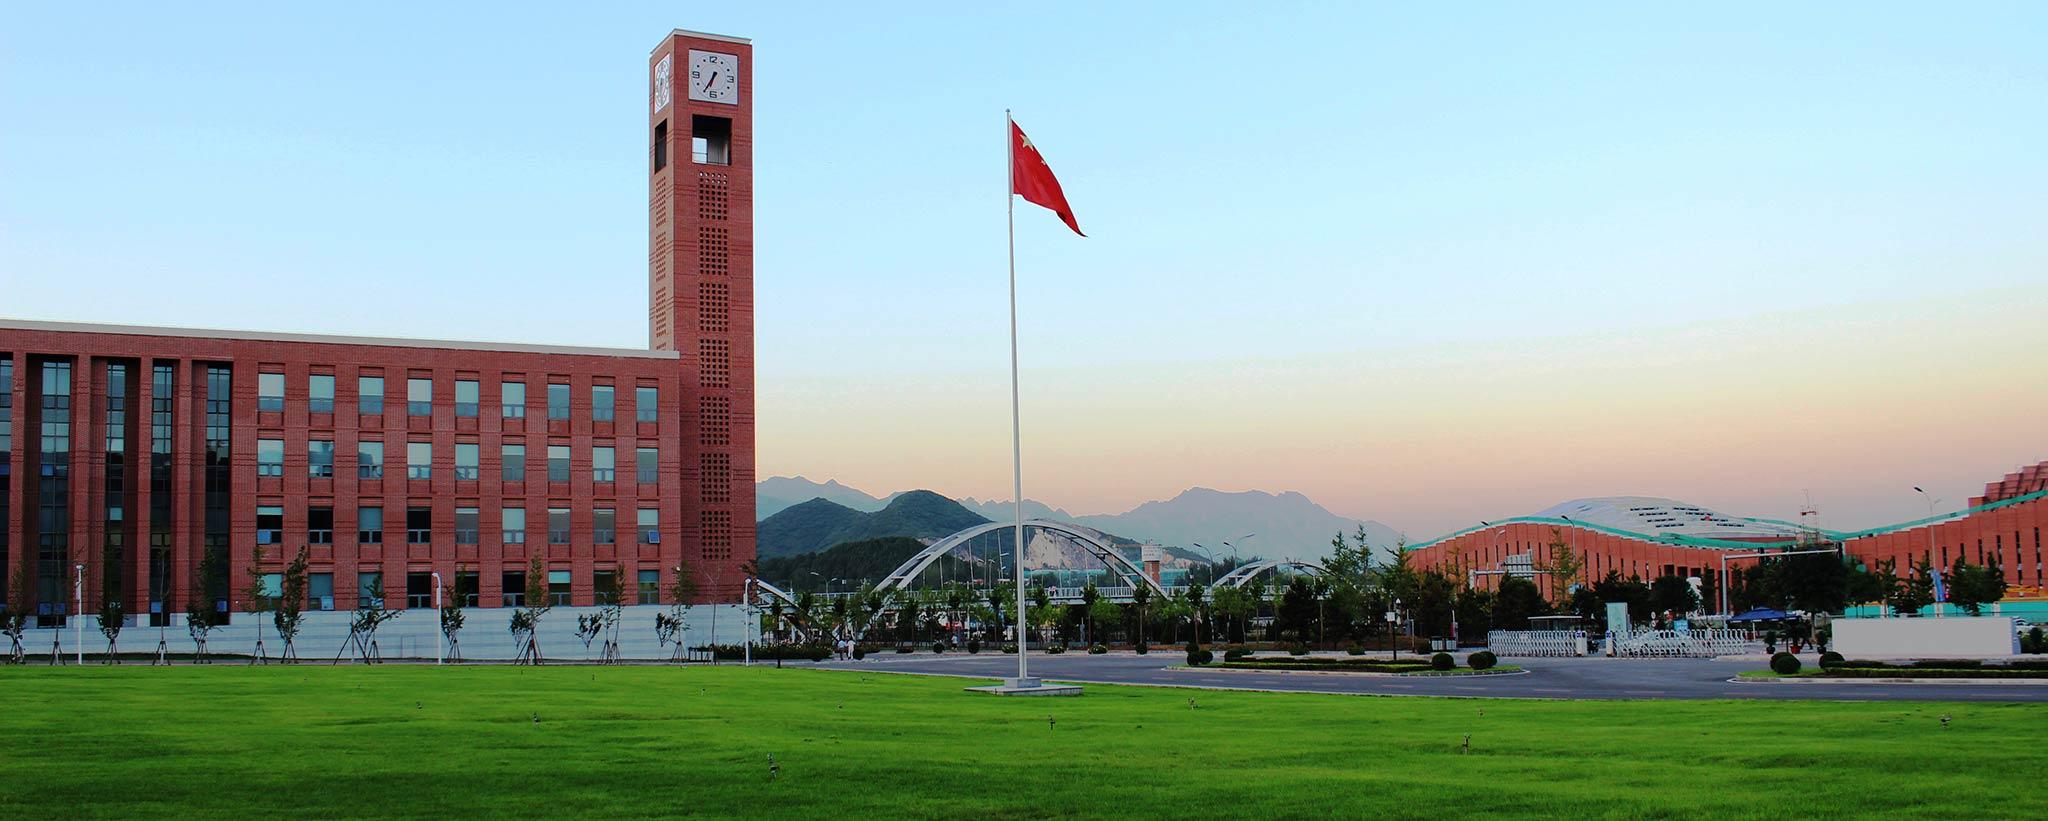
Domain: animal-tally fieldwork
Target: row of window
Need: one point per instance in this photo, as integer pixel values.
(419, 525)
(419, 588)
(419, 398)
(419, 461)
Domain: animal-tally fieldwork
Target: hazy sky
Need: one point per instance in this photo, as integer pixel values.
(1425, 266)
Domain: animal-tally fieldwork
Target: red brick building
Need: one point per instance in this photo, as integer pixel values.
(140, 452)
(1647, 537)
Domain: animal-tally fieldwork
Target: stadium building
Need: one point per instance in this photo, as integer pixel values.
(161, 459)
(1647, 537)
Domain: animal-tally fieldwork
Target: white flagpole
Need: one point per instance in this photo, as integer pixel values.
(1016, 415)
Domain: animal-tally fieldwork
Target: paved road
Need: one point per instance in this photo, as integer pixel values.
(1583, 678)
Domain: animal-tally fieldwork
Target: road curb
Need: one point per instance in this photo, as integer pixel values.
(2034, 682)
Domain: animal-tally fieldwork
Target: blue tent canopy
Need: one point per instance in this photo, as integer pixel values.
(1759, 614)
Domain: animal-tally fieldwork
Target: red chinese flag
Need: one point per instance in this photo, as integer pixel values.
(1032, 179)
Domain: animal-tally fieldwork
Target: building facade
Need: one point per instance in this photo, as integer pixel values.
(157, 463)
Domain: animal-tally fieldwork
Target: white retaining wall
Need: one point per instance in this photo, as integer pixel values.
(484, 634)
(1953, 637)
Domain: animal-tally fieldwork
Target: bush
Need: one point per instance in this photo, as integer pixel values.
(1830, 660)
(1354, 650)
(1198, 656)
(1097, 649)
(905, 648)
(1784, 664)
(1950, 664)
(1142, 649)
(938, 647)
(1442, 661)
(1055, 649)
(2034, 642)
(1298, 650)
(1482, 660)
(974, 645)
(770, 652)
(859, 652)
(1236, 654)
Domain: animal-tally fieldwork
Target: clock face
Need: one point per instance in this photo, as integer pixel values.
(714, 77)
(663, 72)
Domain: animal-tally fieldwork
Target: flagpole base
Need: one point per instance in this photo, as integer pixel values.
(1027, 687)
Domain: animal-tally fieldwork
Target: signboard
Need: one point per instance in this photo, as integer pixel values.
(1617, 615)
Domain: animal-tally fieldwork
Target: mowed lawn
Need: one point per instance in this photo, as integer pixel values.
(396, 740)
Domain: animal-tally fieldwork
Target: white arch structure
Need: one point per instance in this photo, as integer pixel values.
(1091, 540)
(1246, 572)
(796, 622)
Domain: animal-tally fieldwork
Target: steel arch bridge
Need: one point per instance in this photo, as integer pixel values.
(798, 620)
(1091, 540)
(1245, 573)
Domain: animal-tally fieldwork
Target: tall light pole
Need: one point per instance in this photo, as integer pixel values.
(78, 598)
(440, 636)
(1931, 502)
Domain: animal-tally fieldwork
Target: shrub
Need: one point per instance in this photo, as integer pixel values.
(974, 645)
(1198, 656)
(1354, 650)
(938, 647)
(2035, 641)
(905, 648)
(770, 652)
(1142, 649)
(1009, 647)
(1784, 664)
(1236, 654)
(1055, 649)
(1482, 660)
(859, 652)
(1298, 650)
(1442, 661)
(1097, 649)
(1830, 659)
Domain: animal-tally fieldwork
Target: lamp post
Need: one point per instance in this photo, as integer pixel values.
(1931, 502)
(440, 636)
(78, 600)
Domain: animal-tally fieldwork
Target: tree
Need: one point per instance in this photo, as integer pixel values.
(200, 615)
(1475, 615)
(1563, 566)
(1296, 614)
(110, 619)
(1103, 611)
(1089, 595)
(290, 607)
(525, 624)
(257, 599)
(1815, 582)
(1141, 596)
(1232, 603)
(14, 615)
(452, 619)
(1196, 609)
(1431, 604)
(1517, 600)
(1915, 591)
(1878, 585)
(1672, 593)
(1971, 586)
(362, 634)
(1614, 588)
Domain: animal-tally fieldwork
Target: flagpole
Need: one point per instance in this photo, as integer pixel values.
(1016, 414)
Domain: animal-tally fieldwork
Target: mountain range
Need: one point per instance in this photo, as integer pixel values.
(1284, 525)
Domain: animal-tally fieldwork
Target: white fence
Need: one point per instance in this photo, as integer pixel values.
(1536, 642)
(1648, 643)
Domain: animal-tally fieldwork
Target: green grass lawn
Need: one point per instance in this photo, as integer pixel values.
(321, 741)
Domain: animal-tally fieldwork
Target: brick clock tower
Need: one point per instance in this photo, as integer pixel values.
(700, 277)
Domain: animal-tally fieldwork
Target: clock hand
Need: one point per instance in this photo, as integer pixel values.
(707, 83)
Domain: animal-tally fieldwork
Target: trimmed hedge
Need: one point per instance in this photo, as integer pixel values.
(1198, 656)
(1097, 649)
(1830, 660)
(1784, 664)
(1924, 672)
(1442, 661)
(1482, 660)
(770, 652)
(1346, 666)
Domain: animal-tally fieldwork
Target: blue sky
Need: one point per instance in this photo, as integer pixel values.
(1265, 189)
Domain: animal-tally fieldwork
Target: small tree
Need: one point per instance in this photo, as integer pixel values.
(1971, 586)
(200, 615)
(525, 625)
(110, 626)
(1915, 591)
(362, 632)
(452, 619)
(1103, 612)
(1564, 567)
(1674, 594)
(290, 607)
(14, 615)
(256, 598)
(1141, 596)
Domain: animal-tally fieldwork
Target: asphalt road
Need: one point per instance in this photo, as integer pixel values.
(1556, 678)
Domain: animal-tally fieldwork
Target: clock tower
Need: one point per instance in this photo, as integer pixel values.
(700, 277)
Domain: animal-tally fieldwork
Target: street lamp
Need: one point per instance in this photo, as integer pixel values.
(78, 619)
(1392, 614)
(440, 636)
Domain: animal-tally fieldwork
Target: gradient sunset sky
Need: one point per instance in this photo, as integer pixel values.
(1427, 266)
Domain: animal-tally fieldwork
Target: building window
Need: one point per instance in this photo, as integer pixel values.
(369, 590)
(650, 525)
(466, 461)
(650, 586)
(369, 460)
(661, 145)
(604, 586)
(465, 397)
(320, 393)
(558, 463)
(647, 464)
(466, 525)
(270, 457)
(512, 584)
(369, 525)
(512, 522)
(269, 524)
(419, 525)
(419, 460)
(558, 401)
(604, 523)
(320, 525)
(270, 392)
(419, 397)
(320, 458)
(710, 140)
(558, 525)
(512, 462)
(558, 587)
(370, 395)
(466, 588)
(601, 403)
(320, 591)
(419, 589)
(512, 400)
(647, 404)
(603, 464)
